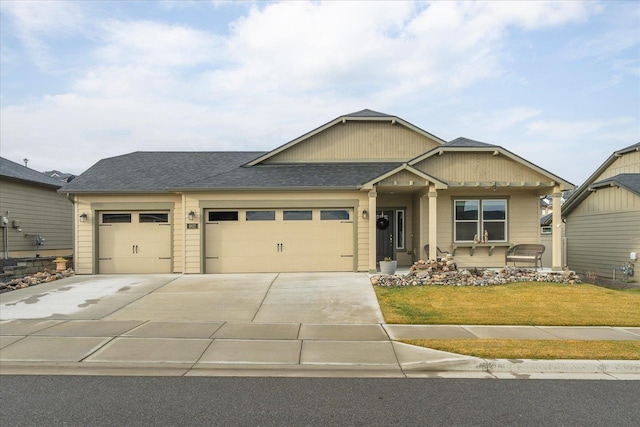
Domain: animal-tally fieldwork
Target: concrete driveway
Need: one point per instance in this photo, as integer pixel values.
(323, 298)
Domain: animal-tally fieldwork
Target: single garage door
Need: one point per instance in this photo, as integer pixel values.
(278, 240)
(134, 242)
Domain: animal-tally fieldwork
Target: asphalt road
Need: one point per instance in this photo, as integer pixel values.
(192, 401)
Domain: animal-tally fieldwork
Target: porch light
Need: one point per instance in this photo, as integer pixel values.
(83, 217)
(192, 216)
(365, 214)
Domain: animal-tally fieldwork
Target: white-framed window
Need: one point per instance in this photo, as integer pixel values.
(400, 229)
(473, 216)
(545, 229)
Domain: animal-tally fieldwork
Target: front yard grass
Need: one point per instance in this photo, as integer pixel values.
(528, 303)
(536, 349)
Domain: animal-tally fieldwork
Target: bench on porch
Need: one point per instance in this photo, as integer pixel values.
(527, 253)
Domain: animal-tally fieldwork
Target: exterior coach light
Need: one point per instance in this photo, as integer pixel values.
(83, 217)
(192, 216)
(365, 214)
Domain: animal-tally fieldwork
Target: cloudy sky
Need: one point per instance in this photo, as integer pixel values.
(555, 82)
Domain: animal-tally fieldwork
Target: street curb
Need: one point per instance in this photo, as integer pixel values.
(529, 366)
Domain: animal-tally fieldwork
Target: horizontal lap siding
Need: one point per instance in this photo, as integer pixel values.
(40, 210)
(598, 242)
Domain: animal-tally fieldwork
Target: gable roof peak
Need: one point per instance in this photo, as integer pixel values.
(367, 113)
(466, 142)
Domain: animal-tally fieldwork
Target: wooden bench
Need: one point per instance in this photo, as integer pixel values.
(528, 253)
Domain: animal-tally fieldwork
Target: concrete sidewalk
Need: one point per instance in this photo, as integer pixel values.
(111, 347)
(253, 325)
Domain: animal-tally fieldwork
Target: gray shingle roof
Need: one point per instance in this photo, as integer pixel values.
(155, 171)
(368, 113)
(309, 175)
(166, 171)
(15, 171)
(629, 181)
(466, 142)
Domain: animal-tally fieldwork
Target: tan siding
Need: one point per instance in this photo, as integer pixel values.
(358, 142)
(477, 167)
(404, 178)
(40, 211)
(523, 225)
(627, 163)
(610, 199)
(598, 242)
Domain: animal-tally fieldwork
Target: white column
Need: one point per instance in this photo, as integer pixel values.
(556, 231)
(433, 223)
(372, 230)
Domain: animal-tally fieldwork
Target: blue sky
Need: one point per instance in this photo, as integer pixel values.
(555, 82)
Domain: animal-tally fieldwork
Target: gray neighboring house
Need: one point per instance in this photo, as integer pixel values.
(31, 206)
(603, 216)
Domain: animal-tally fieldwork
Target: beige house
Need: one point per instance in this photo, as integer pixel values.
(603, 215)
(31, 210)
(341, 197)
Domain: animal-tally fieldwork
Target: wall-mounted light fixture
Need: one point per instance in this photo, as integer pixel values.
(192, 216)
(83, 217)
(365, 214)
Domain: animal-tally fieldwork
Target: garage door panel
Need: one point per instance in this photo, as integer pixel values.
(134, 247)
(279, 245)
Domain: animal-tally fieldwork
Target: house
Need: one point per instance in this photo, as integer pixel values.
(36, 219)
(603, 215)
(62, 176)
(341, 197)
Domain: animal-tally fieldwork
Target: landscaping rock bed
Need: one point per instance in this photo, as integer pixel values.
(35, 279)
(473, 277)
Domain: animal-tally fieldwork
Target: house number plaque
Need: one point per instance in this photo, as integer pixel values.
(192, 226)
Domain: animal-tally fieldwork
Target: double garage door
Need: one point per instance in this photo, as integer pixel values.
(277, 240)
(134, 242)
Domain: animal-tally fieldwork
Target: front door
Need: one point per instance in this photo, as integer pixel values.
(384, 235)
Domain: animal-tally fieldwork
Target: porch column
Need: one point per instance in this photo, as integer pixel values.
(372, 230)
(556, 231)
(433, 222)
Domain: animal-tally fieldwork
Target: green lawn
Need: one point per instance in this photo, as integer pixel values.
(529, 303)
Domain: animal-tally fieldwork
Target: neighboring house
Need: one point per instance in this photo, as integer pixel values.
(603, 215)
(62, 176)
(341, 197)
(32, 207)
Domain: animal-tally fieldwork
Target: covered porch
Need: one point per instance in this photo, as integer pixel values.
(414, 216)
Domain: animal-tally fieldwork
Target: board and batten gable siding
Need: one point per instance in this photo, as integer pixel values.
(87, 232)
(40, 210)
(523, 224)
(199, 202)
(481, 167)
(356, 141)
(603, 230)
(627, 163)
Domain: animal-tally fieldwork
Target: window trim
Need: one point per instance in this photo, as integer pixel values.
(480, 220)
(400, 227)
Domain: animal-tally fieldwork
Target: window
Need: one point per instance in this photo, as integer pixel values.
(297, 215)
(261, 215)
(154, 217)
(399, 229)
(223, 216)
(545, 229)
(116, 218)
(473, 217)
(331, 215)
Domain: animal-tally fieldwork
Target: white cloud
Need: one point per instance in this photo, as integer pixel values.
(281, 70)
(34, 22)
